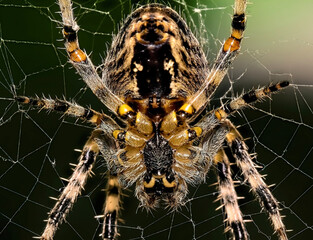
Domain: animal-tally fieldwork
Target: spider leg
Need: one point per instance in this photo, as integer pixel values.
(251, 175)
(226, 56)
(111, 208)
(64, 107)
(229, 198)
(248, 98)
(82, 62)
(216, 116)
(74, 187)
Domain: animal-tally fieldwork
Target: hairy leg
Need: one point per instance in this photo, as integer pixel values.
(253, 177)
(225, 58)
(74, 187)
(228, 195)
(81, 61)
(111, 208)
(64, 107)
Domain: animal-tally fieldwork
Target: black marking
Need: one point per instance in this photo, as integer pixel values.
(110, 225)
(227, 108)
(60, 209)
(121, 136)
(36, 102)
(88, 114)
(159, 189)
(113, 190)
(60, 106)
(153, 80)
(76, 183)
(238, 230)
(70, 34)
(238, 22)
(170, 177)
(123, 156)
(182, 116)
(147, 178)
(284, 84)
(158, 155)
(88, 158)
(120, 61)
(21, 99)
(229, 199)
(267, 199)
(239, 149)
(250, 97)
(192, 155)
(192, 134)
(273, 88)
(222, 172)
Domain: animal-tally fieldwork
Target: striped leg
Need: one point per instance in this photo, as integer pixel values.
(216, 116)
(111, 209)
(81, 61)
(64, 107)
(73, 189)
(258, 186)
(234, 219)
(226, 56)
(248, 98)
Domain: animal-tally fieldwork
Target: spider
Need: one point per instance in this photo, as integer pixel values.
(157, 83)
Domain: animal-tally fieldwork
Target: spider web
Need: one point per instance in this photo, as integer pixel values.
(36, 148)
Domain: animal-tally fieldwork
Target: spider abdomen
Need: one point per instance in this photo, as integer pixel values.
(155, 54)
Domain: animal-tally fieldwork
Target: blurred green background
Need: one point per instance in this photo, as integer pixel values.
(36, 148)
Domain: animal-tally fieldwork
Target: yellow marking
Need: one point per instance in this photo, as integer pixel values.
(112, 200)
(167, 183)
(26, 100)
(113, 182)
(116, 133)
(91, 146)
(262, 93)
(237, 34)
(78, 56)
(96, 118)
(150, 184)
(188, 108)
(112, 203)
(169, 66)
(198, 130)
(71, 46)
(231, 44)
(218, 157)
(124, 109)
(138, 67)
(220, 114)
(158, 176)
(230, 137)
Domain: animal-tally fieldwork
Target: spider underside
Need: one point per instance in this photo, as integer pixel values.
(157, 81)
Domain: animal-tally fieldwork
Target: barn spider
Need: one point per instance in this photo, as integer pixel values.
(156, 81)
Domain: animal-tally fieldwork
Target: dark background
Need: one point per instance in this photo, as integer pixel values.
(36, 148)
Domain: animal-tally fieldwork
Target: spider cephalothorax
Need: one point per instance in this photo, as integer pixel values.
(156, 82)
